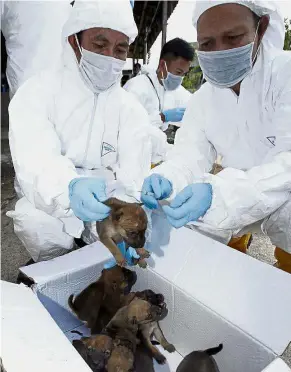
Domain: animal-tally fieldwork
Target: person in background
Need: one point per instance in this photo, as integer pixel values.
(32, 32)
(136, 69)
(160, 91)
(242, 115)
(75, 134)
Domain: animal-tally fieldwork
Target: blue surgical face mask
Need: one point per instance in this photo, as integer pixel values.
(226, 68)
(172, 82)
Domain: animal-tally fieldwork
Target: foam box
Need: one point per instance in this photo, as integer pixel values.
(214, 295)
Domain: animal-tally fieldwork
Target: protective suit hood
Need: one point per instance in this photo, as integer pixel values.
(116, 15)
(275, 34)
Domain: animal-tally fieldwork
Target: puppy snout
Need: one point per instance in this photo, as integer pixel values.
(160, 299)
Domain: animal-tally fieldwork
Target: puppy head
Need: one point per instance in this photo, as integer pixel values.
(152, 297)
(156, 299)
(117, 278)
(141, 311)
(131, 221)
(102, 343)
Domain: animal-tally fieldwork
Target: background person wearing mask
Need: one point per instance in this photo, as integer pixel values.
(32, 32)
(243, 113)
(160, 91)
(74, 130)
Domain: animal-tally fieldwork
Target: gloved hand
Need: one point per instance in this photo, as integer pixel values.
(189, 205)
(174, 115)
(86, 195)
(129, 255)
(155, 187)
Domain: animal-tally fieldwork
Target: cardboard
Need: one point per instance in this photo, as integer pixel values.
(214, 294)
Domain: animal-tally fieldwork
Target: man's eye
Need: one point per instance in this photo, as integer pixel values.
(235, 37)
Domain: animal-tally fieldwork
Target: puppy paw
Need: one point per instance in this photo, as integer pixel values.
(170, 348)
(160, 358)
(142, 263)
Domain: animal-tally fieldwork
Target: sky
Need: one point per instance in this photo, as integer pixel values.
(180, 25)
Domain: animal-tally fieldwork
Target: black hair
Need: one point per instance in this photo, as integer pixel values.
(176, 48)
(256, 19)
(79, 36)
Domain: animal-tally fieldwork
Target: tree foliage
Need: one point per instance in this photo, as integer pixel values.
(287, 43)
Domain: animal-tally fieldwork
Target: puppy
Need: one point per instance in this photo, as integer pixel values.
(127, 222)
(153, 328)
(124, 327)
(200, 361)
(107, 291)
(95, 351)
(143, 360)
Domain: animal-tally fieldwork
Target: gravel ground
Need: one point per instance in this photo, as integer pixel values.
(13, 255)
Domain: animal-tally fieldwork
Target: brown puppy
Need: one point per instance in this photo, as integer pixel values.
(107, 291)
(153, 328)
(124, 327)
(143, 360)
(127, 222)
(95, 351)
(200, 361)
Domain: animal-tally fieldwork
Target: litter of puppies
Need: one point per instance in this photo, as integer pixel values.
(125, 327)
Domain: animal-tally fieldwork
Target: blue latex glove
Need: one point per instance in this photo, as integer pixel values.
(174, 115)
(86, 195)
(129, 255)
(155, 187)
(189, 205)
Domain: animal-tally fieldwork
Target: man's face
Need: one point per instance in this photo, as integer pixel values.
(178, 66)
(103, 41)
(229, 26)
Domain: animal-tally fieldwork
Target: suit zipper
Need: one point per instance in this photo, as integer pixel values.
(90, 130)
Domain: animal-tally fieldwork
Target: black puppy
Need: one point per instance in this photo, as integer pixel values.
(200, 361)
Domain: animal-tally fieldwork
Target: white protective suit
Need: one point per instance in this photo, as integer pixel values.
(252, 133)
(155, 100)
(32, 31)
(59, 129)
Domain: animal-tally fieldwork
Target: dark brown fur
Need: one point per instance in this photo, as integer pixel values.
(200, 361)
(127, 222)
(106, 295)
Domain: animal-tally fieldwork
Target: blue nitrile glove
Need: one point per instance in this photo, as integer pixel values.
(86, 195)
(129, 255)
(174, 115)
(189, 205)
(155, 187)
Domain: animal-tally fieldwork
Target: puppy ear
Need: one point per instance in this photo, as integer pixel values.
(116, 215)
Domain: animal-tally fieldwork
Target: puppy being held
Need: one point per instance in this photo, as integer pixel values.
(200, 361)
(108, 292)
(127, 222)
(95, 350)
(150, 329)
(123, 328)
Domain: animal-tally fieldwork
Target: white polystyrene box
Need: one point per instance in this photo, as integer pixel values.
(214, 294)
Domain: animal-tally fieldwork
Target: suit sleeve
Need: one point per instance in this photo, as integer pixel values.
(41, 170)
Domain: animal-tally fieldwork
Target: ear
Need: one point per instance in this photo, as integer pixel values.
(116, 215)
(74, 45)
(264, 24)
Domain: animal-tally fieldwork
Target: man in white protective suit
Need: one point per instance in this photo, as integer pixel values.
(241, 115)
(74, 132)
(32, 32)
(160, 91)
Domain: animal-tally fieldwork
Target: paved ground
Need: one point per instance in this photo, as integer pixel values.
(14, 256)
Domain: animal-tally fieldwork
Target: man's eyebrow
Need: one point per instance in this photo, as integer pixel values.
(100, 38)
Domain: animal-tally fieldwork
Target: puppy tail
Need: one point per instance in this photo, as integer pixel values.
(71, 303)
(214, 350)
